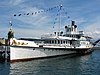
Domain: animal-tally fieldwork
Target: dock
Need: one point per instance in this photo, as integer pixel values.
(4, 53)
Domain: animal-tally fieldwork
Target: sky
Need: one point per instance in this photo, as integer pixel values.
(86, 14)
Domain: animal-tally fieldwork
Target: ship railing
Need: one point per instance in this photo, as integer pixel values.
(59, 45)
(48, 35)
(79, 32)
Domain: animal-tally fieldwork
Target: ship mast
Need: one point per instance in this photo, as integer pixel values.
(10, 22)
(10, 33)
(60, 7)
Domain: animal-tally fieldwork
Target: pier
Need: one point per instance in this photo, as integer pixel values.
(4, 53)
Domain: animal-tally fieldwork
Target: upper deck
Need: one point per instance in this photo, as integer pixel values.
(69, 33)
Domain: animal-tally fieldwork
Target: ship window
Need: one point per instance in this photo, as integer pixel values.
(55, 41)
(61, 41)
(72, 29)
(52, 41)
(68, 42)
(82, 42)
(67, 35)
(58, 41)
(47, 41)
(64, 42)
(74, 36)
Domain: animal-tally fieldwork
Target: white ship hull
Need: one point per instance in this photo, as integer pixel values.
(21, 53)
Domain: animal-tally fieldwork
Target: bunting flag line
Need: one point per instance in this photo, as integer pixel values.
(46, 10)
(59, 8)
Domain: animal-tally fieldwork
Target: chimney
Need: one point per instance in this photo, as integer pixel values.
(73, 23)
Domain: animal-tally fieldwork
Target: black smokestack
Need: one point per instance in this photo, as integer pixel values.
(73, 22)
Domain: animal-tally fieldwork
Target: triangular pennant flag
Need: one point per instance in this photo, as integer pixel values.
(51, 8)
(58, 10)
(63, 9)
(32, 13)
(41, 11)
(65, 12)
(47, 10)
(27, 13)
(55, 18)
(54, 7)
(57, 6)
(60, 7)
(68, 16)
(57, 14)
(19, 15)
(35, 12)
(38, 11)
(14, 14)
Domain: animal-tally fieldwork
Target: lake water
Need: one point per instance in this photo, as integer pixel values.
(64, 65)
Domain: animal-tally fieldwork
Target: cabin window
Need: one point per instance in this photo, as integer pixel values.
(47, 41)
(64, 42)
(72, 29)
(74, 36)
(61, 41)
(68, 42)
(52, 41)
(82, 42)
(58, 41)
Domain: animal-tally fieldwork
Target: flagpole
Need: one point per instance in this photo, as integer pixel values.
(59, 19)
(10, 22)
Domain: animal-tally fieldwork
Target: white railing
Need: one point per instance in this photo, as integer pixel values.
(79, 32)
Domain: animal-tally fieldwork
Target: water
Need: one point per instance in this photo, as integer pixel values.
(65, 65)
